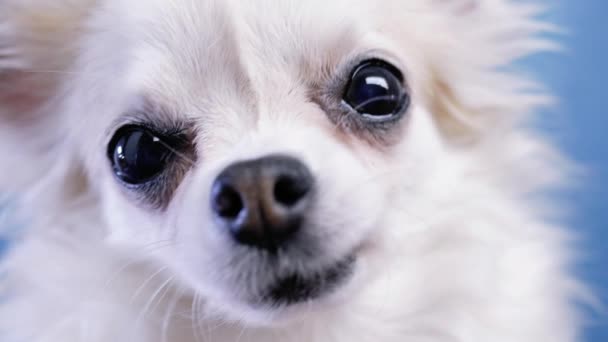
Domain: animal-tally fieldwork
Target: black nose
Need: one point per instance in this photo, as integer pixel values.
(263, 202)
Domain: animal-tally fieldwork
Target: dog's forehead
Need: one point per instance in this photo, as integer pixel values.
(269, 27)
(233, 46)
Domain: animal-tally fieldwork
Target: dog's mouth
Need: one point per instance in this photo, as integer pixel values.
(296, 288)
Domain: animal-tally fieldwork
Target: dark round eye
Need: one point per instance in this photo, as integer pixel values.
(376, 91)
(137, 154)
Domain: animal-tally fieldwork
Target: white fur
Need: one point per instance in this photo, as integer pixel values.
(452, 243)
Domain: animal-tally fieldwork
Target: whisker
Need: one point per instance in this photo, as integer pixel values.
(163, 293)
(146, 309)
(146, 282)
(140, 256)
(216, 326)
(241, 333)
(196, 327)
(170, 313)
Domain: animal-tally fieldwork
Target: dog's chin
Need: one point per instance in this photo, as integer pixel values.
(290, 296)
(294, 288)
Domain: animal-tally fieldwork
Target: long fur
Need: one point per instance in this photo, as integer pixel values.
(458, 246)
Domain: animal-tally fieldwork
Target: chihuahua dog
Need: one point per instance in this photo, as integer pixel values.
(278, 170)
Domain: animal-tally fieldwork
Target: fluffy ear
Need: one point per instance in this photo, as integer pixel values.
(476, 91)
(38, 40)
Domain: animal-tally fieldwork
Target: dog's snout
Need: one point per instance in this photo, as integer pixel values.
(263, 202)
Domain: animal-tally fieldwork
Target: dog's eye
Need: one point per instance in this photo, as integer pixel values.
(376, 91)
(138, 154)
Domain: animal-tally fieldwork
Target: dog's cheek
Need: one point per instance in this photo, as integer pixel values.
(128, 224)
(397, 188)
(190, 226)
(349, 202)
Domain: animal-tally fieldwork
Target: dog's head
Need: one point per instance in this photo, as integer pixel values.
(272, 153)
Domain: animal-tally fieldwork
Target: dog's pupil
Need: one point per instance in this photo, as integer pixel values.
(375, 90)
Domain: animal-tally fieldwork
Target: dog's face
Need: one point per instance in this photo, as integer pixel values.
(266, 145)
(274, 154)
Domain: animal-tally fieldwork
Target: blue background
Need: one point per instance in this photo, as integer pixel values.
(579, 78)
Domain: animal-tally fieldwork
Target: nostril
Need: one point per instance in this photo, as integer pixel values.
(227, 202)
(289, 190)
(263, 202)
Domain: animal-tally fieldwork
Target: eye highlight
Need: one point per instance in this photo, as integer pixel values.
(376, 91)
(138, 154)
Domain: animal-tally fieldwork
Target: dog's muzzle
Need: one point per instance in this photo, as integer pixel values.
(264, 205)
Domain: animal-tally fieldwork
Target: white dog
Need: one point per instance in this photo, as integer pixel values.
(278, 170)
